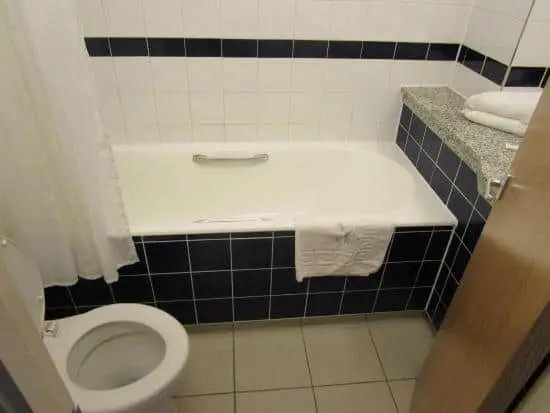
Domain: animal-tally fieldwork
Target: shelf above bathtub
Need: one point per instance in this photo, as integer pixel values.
(483, 149)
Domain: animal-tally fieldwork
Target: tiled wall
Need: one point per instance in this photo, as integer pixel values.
(456, 185)
(250, 276)
(532, 59)
(164, 98)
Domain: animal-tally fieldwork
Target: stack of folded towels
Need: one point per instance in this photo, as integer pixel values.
(506, 111)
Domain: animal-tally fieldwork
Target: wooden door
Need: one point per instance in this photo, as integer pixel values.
(497, 329)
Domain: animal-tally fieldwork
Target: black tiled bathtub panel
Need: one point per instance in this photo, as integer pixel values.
(455, 183)
(214, 278)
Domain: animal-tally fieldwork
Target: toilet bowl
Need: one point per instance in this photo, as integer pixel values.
(119, 358)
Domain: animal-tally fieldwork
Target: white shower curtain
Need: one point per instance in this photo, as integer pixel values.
(59, 195)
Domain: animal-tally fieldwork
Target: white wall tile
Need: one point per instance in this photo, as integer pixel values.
(437, 73)
(239, 18)
(169, 74)
(274, 74)
(124, 18)
(541, 10)
(164, 18)
(138, 108)
(416, 22)
(104, 74)
(143, 133)
(241, 133)
(274, 108)
(273, 133)
(514, 8)
(133, 74)
(312, 20)
(116, 136)
(303, 133)
(241, 107)
(173, 108)
(240, 75)
(448, 23)
(208, 133)
(467, 82)
(176, 133)
(276, 18)
(533, 48)
(347, 21)
(207, 107)
(340, 74)
(305, 107)
(383, 20)
(336, 113)
(308, 74)
(205, 74)
(202, 18)
(110, 110)
(92, 16)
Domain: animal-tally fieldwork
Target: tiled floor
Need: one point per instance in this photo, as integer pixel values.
(352, 365)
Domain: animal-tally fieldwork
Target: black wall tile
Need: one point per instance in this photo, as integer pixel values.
(255, 308)
(358, 302)
(158, 238)
(400, 275)
(419, 298)
(432, 306)
(169, 47)
(55, 313)
(449, 291)
(473, 231)
(283, 252)
(439, 315)
(133, 289)
(310, 48)
(425, 166)
(405, 118)
(331, 283)
(208, 236)
(442, 280)
(203, 47)
(441, 185)
(172, 287)
(183, 311)
(461, 209)
(165, 257)
(466, 181)
(288, 306)
(431, 144)
(460, 263)
(525, 76)
(443, 51)
(409, 246)
(128, 46)
(545, 78)
(378, 50)
(97, 46)
(392, 300)
(411, 150)
(411, 51)
(212, 284)
(58, 297)
(210, 255)
(453, 248)
(369, 282)
(275, 48)
(139, 268)
(438, 245)
(448, 162)
(417, 129)
(401, 139)
(494, 71)
(91, 292)
(251, 253)
(483, 207)
(284, 282)
(215, 311)
(323, 304)
(251, 282)
(344, 49)
(239, 48)
(473, 60)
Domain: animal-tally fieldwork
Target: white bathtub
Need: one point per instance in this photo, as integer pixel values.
(166, 192)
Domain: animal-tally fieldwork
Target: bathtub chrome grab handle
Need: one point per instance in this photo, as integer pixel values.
(201, 157)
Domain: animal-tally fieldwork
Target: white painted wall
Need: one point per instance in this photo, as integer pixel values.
(200, 99)
(533, 49)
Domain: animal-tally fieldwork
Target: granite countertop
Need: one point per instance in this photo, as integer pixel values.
(483, 149)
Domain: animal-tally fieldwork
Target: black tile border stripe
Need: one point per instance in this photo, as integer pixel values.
(268, 48)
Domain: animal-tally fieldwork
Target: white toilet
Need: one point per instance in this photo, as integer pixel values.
(116, 358)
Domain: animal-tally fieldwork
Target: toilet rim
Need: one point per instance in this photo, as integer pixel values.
(175, 355)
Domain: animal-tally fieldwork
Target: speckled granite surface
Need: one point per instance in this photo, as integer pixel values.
(481, 148)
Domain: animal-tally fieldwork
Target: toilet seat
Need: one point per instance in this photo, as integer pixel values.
(72, 329)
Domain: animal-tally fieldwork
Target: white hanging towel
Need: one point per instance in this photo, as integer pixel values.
(511, 105)
(496, 122)
(331, 247)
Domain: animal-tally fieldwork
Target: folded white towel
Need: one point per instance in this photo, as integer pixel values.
(354, 247)
(507, 125)
(511, 105)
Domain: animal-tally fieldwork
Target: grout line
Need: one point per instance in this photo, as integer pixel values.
(301, 327)
(382, 278)
(342, 296)
(271, 277)
(432, 292)
(149, 274)
(232, 277)
(419, 269)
